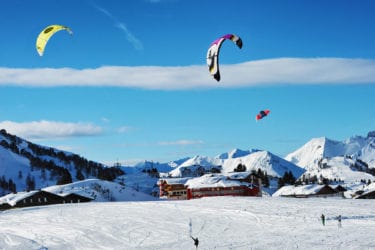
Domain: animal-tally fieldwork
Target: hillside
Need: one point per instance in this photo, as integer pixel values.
(27, 166)
(100, 191)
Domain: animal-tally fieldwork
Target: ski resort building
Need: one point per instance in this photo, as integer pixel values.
(232, 184)
(173, 188)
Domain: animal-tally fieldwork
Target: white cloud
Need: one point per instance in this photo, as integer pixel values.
(137, 44)
(105, 120)
(180, 142)
(252, 73)
(125, 129)
(49, 129)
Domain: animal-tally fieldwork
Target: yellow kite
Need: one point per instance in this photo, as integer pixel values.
(46, 34)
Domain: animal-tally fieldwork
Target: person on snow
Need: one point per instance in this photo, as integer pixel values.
(196, 242)
(323, 219)
(339, 220)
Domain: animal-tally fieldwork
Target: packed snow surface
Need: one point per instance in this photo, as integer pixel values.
(218, 222)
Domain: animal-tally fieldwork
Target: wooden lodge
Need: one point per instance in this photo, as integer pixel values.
(173, 188)
(367, 195)
(75, 198)
(38, 198)
(232, 184)
(242, 190)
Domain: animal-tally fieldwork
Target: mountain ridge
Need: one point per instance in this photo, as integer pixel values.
(351, 160)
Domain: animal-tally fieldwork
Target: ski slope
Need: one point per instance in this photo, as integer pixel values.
(219, 223)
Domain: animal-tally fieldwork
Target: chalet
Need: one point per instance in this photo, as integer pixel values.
(338, 188)
(173, 188)
(305, 191)
(31, 198)
(39, 198)
(5, 206)
(367, 195)
(244, 177)
(368, 192)
(232, 184)
(75, 198)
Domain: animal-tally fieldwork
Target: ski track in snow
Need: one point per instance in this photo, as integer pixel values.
(218, 222)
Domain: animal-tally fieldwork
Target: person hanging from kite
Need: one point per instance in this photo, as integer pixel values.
(261, 114)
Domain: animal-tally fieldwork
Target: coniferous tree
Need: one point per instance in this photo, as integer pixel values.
(30, 182)
(79, 175)
(266, 180)
(65, 178)
(240, 168)
(287, 178)
(43, 174)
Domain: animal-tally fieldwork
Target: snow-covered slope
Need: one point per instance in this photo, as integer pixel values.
(100, 190)
(12, 166)
(27, 166)
(219, 223)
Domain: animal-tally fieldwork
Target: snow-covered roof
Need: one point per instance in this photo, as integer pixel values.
(13, 198)
(172, 181)
(369, 189)
(212, 180)
(298, 190)
(238, 175)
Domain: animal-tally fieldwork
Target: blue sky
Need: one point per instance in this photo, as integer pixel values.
(132, 82)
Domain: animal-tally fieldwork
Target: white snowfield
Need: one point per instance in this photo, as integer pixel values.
(218, 222)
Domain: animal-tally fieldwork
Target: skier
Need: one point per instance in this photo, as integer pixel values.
(323, 219)
(196, 242)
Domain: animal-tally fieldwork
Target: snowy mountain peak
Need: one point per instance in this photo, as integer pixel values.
(235, 153)
(352, 159)
(309, 154)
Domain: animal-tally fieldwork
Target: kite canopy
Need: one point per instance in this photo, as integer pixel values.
(214, 50)
(262, 114)
(46, 34)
